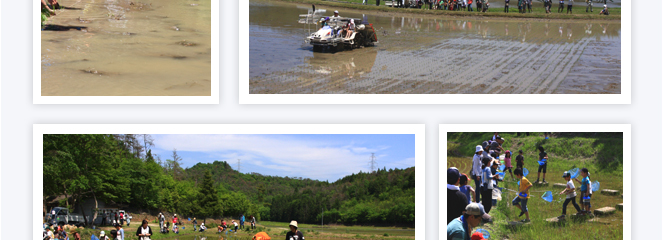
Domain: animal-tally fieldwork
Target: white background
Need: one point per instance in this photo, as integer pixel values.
(18, 115)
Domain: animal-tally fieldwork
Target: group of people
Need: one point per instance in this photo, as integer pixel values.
(344, 31)
(112, 217)
(569, 7)
(468, 207)
(524, 6)
(164, 227)
(59, 233)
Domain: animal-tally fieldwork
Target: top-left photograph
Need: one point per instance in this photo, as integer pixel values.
(126, 51)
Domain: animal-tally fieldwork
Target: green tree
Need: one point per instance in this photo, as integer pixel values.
(208, 201)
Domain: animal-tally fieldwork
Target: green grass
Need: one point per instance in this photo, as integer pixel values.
(566, 151)
(341, 231)
(538, 10)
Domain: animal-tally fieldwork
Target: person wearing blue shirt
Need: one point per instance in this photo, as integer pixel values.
(461, 227)
(585, 191)
(120, 231)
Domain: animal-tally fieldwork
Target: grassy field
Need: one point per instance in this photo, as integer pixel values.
(276, 230)
(600, 153)
(538, 11)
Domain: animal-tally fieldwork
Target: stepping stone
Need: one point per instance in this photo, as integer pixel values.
(620, 206)
(609, 192)
(556, 220)
(604, 210)
(559, 185)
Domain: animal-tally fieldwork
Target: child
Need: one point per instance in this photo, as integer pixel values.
(604, 11)
(175, 228)
(523, 194)
(520, 160)
(570, 192)
(507, 163)
(477, 236)
(466, 189)
(487, 184)
(585, 191)
(543, 156)
(235, 225)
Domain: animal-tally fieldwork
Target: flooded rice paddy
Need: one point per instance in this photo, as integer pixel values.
(127, 48)
(439, 55)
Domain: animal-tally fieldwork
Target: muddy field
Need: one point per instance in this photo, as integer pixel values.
(127, 48)
(436, 55)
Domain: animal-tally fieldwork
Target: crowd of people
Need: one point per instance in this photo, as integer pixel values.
(112, 217)
(524, 6)
(468, 207)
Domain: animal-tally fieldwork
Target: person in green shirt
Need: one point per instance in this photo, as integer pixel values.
(461, 227)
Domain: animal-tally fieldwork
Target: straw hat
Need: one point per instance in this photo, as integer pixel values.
(293, 223)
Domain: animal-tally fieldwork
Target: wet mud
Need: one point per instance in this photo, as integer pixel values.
(127, 48)
(420, 55)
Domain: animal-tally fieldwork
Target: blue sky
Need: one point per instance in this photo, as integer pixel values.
(315, 156)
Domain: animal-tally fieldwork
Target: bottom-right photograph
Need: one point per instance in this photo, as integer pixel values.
(515, 183)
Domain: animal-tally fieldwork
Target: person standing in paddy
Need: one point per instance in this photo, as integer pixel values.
(589, 7)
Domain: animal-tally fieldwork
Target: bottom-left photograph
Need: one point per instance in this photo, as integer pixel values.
(191, 182)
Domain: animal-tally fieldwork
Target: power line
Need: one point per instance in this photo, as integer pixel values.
(373, 163)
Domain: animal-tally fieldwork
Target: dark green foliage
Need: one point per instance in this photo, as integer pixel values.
(117, 169)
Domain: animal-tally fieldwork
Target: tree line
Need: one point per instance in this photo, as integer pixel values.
(122, 169)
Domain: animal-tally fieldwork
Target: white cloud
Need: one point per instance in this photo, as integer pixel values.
(286, 155)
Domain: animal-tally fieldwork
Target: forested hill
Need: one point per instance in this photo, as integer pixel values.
(119, 169)
(382, 197)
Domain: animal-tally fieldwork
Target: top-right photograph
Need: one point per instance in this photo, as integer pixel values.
(438, 47)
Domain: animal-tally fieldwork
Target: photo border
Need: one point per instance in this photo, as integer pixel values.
(419, 130)
(37, 98)
(624, 128)
(246, 98)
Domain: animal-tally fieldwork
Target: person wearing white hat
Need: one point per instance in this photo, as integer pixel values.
(604, 11)
(294, 234)
(102, 236)
(476, 172)
(336, 14)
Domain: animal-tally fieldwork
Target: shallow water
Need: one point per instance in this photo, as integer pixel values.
(436, 55)
(127, 48)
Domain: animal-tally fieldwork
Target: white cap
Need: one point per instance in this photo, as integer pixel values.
(336, 11)
(479, 149)
(102, 234)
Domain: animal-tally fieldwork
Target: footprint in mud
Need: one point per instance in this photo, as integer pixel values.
(178, 57)
(94, 71)
(201, 84)
(187, 43)
(139, 6)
